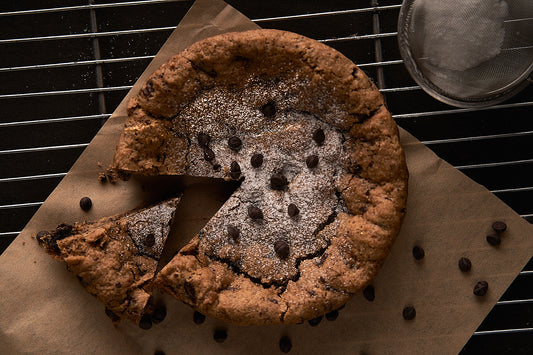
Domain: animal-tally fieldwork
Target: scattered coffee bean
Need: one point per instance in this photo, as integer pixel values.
(285, 344)
(149, 240)
(418, 253)
(203, 140)
(481, 288)
(278, 182)
(235, 170)
(235, 143)
(409, 312)
(331, 316)
(220, 335)
(319, 136)
(233, 232)
(494, 239)
(281, 248)
(315, 321)
(86, 203)
(198, 318)
(256, 160)
(499, 226)
(146, 322)
(209, 155)
(159, 314)
(465, 264)
(255, 212)
(293, 210)
(115, 318)
(369, 293)
(269, 110)
(311, 161)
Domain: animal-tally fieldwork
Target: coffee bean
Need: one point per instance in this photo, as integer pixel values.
(220, 335)
(331, 316)
(285, 344)
(293, 210)
(40, 235)
(465, 264)
(235, 170)
(255, 213)
(409, 312)
(159, 314)
(315, 321)
(115, 318)
(86, 203)
(418, 253)
(203, 140)
(481, 288)
(369, 293)
(319, 136)
(209, 155)
(235, 143)
(278, 182)
(198, 318)
(149, 240)
(499, 226)
(256, 160)
(233, 232)
(311, 161)
(269, 110)
(281, 248)
(494, 239)
(146, 322)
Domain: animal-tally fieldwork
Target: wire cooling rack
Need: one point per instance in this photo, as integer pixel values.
(66, 66)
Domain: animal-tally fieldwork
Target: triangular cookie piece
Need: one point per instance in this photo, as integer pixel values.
(115, 258)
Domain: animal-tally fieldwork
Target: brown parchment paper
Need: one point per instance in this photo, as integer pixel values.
(44, 309)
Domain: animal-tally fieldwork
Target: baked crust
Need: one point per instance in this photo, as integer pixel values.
(275, 91)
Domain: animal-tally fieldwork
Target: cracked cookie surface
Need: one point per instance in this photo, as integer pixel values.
(324, 180)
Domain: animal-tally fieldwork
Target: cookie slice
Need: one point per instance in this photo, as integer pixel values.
(115, 258)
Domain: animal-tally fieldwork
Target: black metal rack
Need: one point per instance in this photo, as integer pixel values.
(64, 69)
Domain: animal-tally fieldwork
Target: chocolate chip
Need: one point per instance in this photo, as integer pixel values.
(217, 167)
(86, 203)
(198, 318)
(203, 140)
(190, 291)
(369, 293)
(499, 226)
(146, 322)
(112, 315)
(281, 248)
(319, 136)
(159, 314)
(269, 110)
(481, 288)
(63, 231)
(255, 212)
(331, 316)
(311, 161)
(209, 155)
(234, 143)
(494, 239)
(418, 253)
(278, 182)
(293, 210)
(315, 321)
(233, 232)
(285, 344)
(148, 89)
(409, 313)
(149, 240)
(465, 264)
(220, 335)
(256, 160)
(40, 235)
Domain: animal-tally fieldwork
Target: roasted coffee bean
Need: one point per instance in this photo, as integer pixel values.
(311, 161)
(315, 321)
(235, 143)
(409, 312)
(198, 318)
(203, 140)
(285, 344)
(369, 293)
(209, 155)
(278, 182)
(481, 288)
(269, 110)
(418, 253)
(235, 170)
(465, 264)
(256, 160)
(41, 235)
(149, 240)
(159, 314)
(281, 248)
(494, 239)
(331, 316)
(255, 212)
(233, 232)
(111, 315)
(499, 226)
(86, 203)
(146, 322)
(319, 136)
(220, 335)
(293, 210)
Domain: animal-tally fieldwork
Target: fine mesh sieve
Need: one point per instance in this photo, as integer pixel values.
(468, 53)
